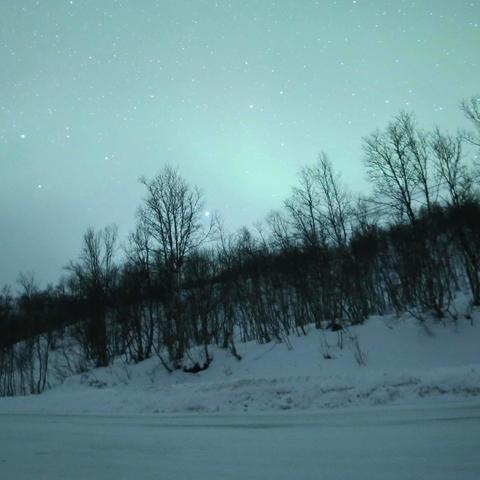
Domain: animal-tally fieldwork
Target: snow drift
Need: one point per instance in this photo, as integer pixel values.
(383, 361)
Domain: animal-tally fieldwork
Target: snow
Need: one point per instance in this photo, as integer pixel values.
(404, 363)
(393, 442)
(305, 409)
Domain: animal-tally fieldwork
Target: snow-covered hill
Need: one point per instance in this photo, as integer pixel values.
(385, 360)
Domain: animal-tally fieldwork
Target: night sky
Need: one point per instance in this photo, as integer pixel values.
(237, 94)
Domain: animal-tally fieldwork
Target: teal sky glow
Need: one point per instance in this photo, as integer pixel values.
(237, 94)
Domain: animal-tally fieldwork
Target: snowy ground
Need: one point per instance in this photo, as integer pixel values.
(394, 442)
(404, 363)
(309, 410)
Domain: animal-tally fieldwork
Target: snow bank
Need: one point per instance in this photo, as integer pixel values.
(403, 362)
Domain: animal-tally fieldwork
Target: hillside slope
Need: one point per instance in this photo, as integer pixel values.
(385, 360)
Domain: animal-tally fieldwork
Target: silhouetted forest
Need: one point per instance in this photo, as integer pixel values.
(328, 257)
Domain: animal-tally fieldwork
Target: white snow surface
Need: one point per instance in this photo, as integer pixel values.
(363, 443)
(405, 363)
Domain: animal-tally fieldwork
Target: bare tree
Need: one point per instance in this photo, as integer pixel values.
(138, 250)
(93, 278)
(450, 169)
(396, 164)
(318, 208)
(28, 284)
(172, 215)
(137, 318)
(471, 109)
(419, 151)
(334, 200)
(6, 303)
(302, 208)
(280, 230)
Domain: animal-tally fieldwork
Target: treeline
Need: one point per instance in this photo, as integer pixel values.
(328, 258)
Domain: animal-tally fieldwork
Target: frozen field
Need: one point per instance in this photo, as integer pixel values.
(431, 441)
